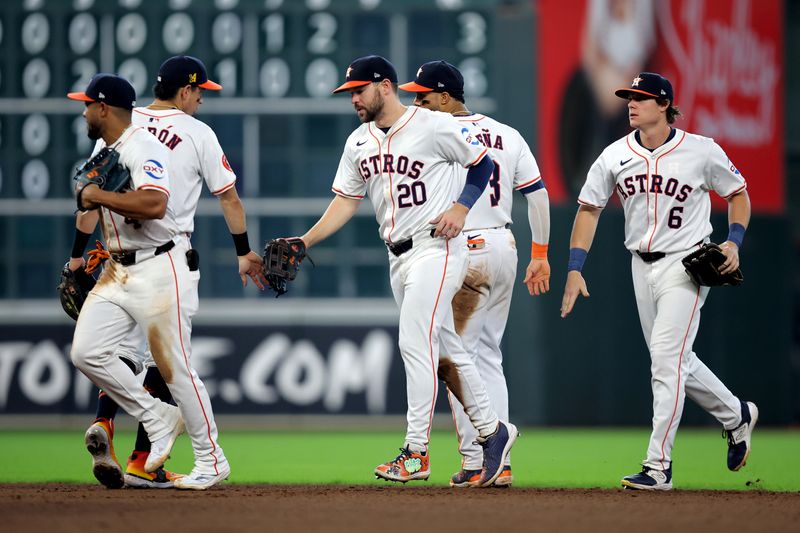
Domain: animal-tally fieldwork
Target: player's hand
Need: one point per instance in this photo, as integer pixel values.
(575, 285)
(89, 196)
(537, 276)
(75, 263)
(731, 252)
(252, 265)
(450, 223)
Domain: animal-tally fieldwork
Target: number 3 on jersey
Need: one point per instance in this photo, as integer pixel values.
(494, 183)
(410, 195)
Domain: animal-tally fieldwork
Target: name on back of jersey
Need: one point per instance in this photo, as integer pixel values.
(168, 138)
(485, 138)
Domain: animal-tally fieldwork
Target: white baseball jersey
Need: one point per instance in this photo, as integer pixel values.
(194, 156)
(665, 196)
(515, 169)
(407, 171)
(664, 193)
(147, 161)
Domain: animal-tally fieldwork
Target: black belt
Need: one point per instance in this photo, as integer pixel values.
(651, 257)
(399, 248)
(129, 258)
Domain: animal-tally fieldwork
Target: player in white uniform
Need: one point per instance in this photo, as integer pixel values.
(482, 304)
(663, 177)
(403, 159)
(195, 157)
(144, 279)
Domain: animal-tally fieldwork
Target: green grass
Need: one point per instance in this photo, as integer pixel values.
(542, 457)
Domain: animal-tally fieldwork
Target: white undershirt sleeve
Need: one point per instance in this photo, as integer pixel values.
(539, 215)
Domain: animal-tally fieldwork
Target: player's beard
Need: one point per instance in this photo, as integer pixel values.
(93, 131)
(374, 109)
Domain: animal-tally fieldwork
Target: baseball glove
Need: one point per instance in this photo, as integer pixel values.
(102, 170)
(282, 258)
(703, 266)
(73, 290)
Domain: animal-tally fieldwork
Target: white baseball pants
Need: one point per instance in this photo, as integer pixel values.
(424, 281)
(480, 310)
(669, 305)
(158, 295)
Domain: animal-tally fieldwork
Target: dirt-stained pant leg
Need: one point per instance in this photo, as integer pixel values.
(481, 310)
(669, 306)
(103, 323)
(168, 327)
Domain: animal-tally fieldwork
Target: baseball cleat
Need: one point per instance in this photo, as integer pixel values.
(495, 450)
(161, 448)
(739, 438)
(197, 481)
(135, 475)
(505, 479)
(465, 478)
(649, 479)
(99, 440)
(407, 466)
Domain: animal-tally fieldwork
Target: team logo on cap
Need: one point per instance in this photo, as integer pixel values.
(419, 72)
(154, 169)
(636, 81)
(101, 95)
(349, 70)
(193, 77)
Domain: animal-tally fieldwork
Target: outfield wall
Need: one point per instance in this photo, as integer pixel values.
(340, 356)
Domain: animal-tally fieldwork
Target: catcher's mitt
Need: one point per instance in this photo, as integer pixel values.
(282, 258)
(703, 266)
(102, 170)
(73, 290)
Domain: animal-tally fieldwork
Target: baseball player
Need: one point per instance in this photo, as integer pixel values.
(403, 159)
(481, 306)
(662, 176)
(140, 283)
(195, 156)
(165, 317)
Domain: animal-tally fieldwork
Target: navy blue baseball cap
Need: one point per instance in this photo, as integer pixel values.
(437, 77)
(109, 89)
(366, 70)
(649, 84)
(179, 71)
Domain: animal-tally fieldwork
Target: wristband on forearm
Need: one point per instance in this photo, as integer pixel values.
(736, 234)
(242, 243)
(79, 243)
(577, 256)
(538, 251)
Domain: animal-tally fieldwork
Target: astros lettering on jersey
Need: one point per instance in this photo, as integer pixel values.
(407, 171)
(664, 193)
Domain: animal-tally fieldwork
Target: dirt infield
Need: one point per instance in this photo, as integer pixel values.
(67, 508)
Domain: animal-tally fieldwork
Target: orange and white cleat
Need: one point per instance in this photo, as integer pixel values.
(137, 477)
(505, 479)
(408, 466)
(99, 440)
